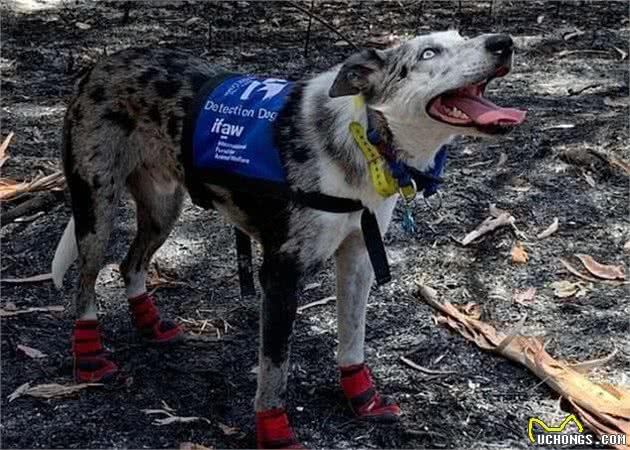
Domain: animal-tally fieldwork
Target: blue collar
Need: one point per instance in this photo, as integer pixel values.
(427, 182)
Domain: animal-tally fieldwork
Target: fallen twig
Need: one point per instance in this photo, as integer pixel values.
(9, 311)
(418, 367)
(170, 417)
(551, 229)
(32, 279)
(573, 52)
(573, 34)
(603, 408)
(325, 23)
(491, 223)
(307, 41)
(573, 92)
(622, 54)
(11, 189)
(593, 363)
(316, 303)
(3, 148)
(26, 208)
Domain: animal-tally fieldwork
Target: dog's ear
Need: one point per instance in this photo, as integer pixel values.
(357, 73)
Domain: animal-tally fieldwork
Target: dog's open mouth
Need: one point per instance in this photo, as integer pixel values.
(467, 107)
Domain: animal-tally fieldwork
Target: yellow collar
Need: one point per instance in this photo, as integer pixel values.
(380, 175)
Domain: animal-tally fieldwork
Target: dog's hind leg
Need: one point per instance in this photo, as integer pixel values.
(94, 200)
(158, 198)
(280, 277)
(354, 279)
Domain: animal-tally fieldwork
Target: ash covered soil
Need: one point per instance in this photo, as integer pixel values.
(576, 91)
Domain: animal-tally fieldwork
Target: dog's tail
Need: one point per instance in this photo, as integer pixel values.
(67, 251)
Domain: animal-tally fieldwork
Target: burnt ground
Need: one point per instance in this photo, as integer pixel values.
(487, 401)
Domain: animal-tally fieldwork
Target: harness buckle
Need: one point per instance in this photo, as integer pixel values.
(408, 193)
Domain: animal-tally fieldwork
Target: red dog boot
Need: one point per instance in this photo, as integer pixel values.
(90, 360)
(364, 400)
(273, 430)
(146, 318)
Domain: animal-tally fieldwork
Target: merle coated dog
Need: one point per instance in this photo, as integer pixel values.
(124, 129)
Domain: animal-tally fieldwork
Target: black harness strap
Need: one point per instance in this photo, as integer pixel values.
(375, 248)
(244, 260)
(196, 178)
(369, 227)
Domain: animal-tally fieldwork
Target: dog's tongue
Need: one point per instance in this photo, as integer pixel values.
(483, 112)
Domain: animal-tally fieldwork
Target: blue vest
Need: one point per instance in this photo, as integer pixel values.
(233, 132)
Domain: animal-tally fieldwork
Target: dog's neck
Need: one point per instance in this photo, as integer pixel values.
(416, 141)
(344, 171)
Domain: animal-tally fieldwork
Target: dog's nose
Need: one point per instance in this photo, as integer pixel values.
(500, 44)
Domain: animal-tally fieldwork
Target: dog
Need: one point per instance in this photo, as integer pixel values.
(125, 128)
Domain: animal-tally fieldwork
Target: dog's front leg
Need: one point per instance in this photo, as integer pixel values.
(354, 279)
(280, 277)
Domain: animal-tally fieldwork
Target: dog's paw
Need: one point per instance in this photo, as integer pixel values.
(146, 318)
(274, 431)
(363, 397)
(91, 362)
(93, 369)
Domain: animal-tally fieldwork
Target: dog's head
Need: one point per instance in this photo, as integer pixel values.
(435, 82)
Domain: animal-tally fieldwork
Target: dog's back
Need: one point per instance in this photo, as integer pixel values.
(123, 129)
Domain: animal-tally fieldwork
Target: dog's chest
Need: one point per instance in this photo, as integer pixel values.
(317, 235)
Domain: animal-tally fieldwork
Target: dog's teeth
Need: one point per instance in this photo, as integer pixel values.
(457, 113)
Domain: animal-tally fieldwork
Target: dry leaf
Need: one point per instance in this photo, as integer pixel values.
(310, 286)
(194, 21)
(48, 391)
(524, 296)
(31, 279)
(82, 26)
(605, 409)
(607, 272)
(3, 148)
(626, 247)
(192, 446)
(31, 352)
(565, 289)
(502, 159)
(228, 430)
(551, 229)
(576, 272)
(589, 179)
(519, 255)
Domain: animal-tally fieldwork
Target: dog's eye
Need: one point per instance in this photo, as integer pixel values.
(428, 53)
